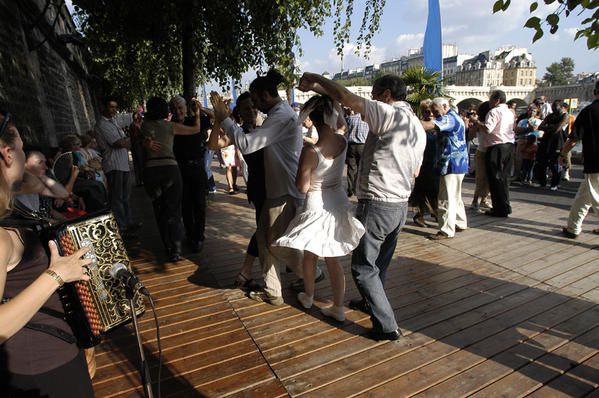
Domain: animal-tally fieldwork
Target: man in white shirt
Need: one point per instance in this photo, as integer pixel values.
(391, 159)
(281, 138)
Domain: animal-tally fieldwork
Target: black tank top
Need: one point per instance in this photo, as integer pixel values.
(31, 352)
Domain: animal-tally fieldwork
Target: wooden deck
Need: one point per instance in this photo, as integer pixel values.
(507, 308)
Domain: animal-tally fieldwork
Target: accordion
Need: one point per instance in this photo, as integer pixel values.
(100, 304)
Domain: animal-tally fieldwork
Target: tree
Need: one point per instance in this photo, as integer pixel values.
(422, 84)
(563, 8)
(560, 73)
(164, 46)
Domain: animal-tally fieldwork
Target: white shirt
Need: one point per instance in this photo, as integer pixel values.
(281, 138)
(393, 152)
(109, 131)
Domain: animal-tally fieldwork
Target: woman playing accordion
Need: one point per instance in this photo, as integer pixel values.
(38, 353)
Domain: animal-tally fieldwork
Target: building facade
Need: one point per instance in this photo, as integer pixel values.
(505, 67)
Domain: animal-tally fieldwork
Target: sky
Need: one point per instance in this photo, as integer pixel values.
(470, 24)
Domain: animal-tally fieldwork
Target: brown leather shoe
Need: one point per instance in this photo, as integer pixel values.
(438, 236)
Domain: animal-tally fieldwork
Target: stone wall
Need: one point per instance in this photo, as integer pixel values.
(582, 91)
(44, 81)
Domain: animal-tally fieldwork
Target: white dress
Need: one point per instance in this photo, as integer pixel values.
(324, 226)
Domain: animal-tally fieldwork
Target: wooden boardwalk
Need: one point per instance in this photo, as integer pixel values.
(507, 308)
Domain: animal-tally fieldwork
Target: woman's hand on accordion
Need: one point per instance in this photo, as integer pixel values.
(69, 268)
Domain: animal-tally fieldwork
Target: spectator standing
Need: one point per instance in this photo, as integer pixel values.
(586, 129)
(498, 135)
(480, 199)
(357, 133)
(551, 145)
(137, 146)
(528, 153)
(309, 133)
(115, 146)
(568, 128)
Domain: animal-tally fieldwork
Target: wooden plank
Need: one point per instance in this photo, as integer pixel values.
(384, 379)
(547, 367)
(538, 336)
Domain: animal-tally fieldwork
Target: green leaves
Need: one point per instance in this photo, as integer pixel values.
(562, 8)
(501, 5)
(533, 22)
(560, 73)
(138, 50)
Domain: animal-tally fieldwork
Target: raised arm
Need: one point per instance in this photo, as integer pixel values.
(322, 85)
(181, 129)
(217, 139)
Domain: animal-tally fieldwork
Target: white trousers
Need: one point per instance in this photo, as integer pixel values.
(587, 196)
(451, 212)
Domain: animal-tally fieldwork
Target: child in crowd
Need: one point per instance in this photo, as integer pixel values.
(528, 153)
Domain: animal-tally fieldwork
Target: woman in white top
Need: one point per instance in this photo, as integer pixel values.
(324, 227)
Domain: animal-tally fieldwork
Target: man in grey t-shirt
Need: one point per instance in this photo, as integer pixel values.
(391, 159)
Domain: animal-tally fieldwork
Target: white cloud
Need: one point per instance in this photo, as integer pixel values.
(351, 60)
(405, 42)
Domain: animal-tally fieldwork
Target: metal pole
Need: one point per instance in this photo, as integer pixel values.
(144, 369)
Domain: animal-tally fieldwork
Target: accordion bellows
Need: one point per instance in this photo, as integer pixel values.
(96, 306)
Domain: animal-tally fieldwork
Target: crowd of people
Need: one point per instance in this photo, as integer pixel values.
(293, 163)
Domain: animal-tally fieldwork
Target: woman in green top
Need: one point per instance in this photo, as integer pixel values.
(162, 179)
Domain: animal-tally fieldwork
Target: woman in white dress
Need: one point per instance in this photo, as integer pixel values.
(324, 227)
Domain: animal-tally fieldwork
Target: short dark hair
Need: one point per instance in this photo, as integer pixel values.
(558, 102)
(244, 97)
(498, 95)
(108, 99)
(268, 83)
(157, 108)
(483, 109)
(396, 86)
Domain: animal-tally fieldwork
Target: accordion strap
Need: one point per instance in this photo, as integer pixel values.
(52, 331)
(48, 329)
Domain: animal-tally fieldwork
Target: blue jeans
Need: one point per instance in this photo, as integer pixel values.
(371, 258)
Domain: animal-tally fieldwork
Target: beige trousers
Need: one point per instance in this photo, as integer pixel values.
(586, 197)
(274, 219)
(451, 211)
(481, 191)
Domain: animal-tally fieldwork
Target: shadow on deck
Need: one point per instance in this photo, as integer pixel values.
(508, 307)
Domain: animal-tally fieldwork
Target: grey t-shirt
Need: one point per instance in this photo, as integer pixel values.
(393, 152)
